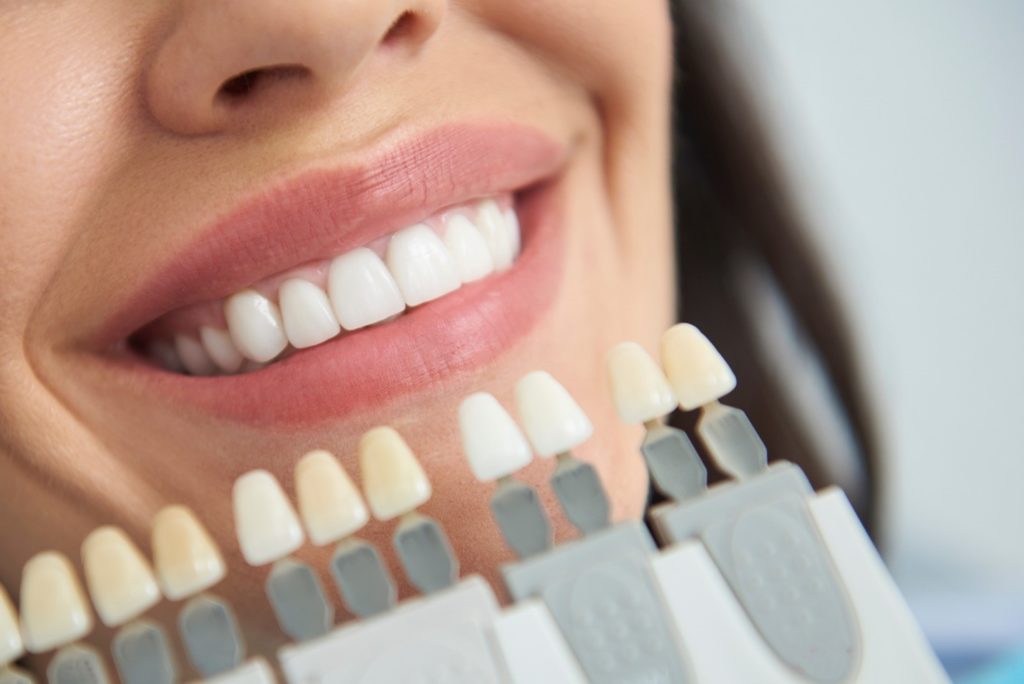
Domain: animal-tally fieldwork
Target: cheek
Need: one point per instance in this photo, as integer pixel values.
(63, 63)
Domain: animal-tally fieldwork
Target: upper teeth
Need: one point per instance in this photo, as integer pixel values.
(420, 263)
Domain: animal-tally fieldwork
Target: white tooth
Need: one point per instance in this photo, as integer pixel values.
(11, 646)
(496, 233)
(119, 578)
(697, 372)
(494, 444)
(468, 249)
(514, 235)
(186, 559)
(639, 388)
(220, 348)
(53, 608)
(307, 314)
(166, 356)
(421, 265)
(255, 325)
(393, 480)
(553, 420)
(266, 524)
(193, 356)
(329, 502)
(362, 289)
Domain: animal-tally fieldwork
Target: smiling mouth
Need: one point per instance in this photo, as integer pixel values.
(370, 285)
(434, 258)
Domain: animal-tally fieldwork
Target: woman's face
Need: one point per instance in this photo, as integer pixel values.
(146, 182)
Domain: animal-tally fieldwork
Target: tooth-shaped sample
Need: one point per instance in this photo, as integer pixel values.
(221, 349)
(255, 325)
(553, 420)
(193, 357)
(468, 249)
(329, 502)
(362, 289)
(639, 388)
(54, 611)
(494, 444)
(186, 559)
(393, 480)
(307, 314)
(119, 578)
(421, 265)
(697, 372)
(497, 234)
(11, 646)
(265, 522)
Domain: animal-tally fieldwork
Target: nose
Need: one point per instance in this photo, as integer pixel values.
(225, 63)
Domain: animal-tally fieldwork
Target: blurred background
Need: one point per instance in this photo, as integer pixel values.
(851, 202)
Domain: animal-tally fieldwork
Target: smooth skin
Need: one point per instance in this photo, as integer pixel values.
(115, 149)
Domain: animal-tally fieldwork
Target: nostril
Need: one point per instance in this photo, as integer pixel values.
(403, 26)
(242, 84)
(245, 83)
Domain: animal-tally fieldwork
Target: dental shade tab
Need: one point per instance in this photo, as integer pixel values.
(268, 532)
(758, 530)
(600, 590)
(333, 511)
(123, 587)
(187, 565)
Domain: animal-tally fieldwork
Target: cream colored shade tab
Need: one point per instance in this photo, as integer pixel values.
(11, 645)
(329, 502)
(493, 443)
(119, 578)
(639, 388)
(267, 525)
(697, 372)
(553, 420)
(185, 557)
(393, 480)
(54, 610)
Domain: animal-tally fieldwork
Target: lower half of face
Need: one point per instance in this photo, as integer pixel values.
(404, 206)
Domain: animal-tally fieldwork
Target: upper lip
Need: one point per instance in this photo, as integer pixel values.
(323, 211)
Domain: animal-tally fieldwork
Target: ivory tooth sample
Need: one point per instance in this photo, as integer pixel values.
(188, 562)
(333, 510)
(268, 530)
(11, 646)
(395, 485)
(556, 424)
(496, 448)
(119, 579)
(642, 394)
(700, 377)
(186, 559)
(265, 522)
(122, 587)
(54, 613)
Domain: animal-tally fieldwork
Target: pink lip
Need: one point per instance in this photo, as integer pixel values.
(322, 213)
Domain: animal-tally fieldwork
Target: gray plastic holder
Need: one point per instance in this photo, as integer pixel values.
(143, 656)
(77, 664)
(211, 635)
(602, 593)
(760, 534)
(298, 600)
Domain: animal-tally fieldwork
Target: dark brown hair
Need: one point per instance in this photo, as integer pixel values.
(752, 284)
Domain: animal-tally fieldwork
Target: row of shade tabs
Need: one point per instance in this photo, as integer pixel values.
(186, 564)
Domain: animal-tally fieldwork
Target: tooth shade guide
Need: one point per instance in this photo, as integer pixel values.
(11, 645)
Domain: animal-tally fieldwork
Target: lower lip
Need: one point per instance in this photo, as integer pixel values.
(373, 366)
